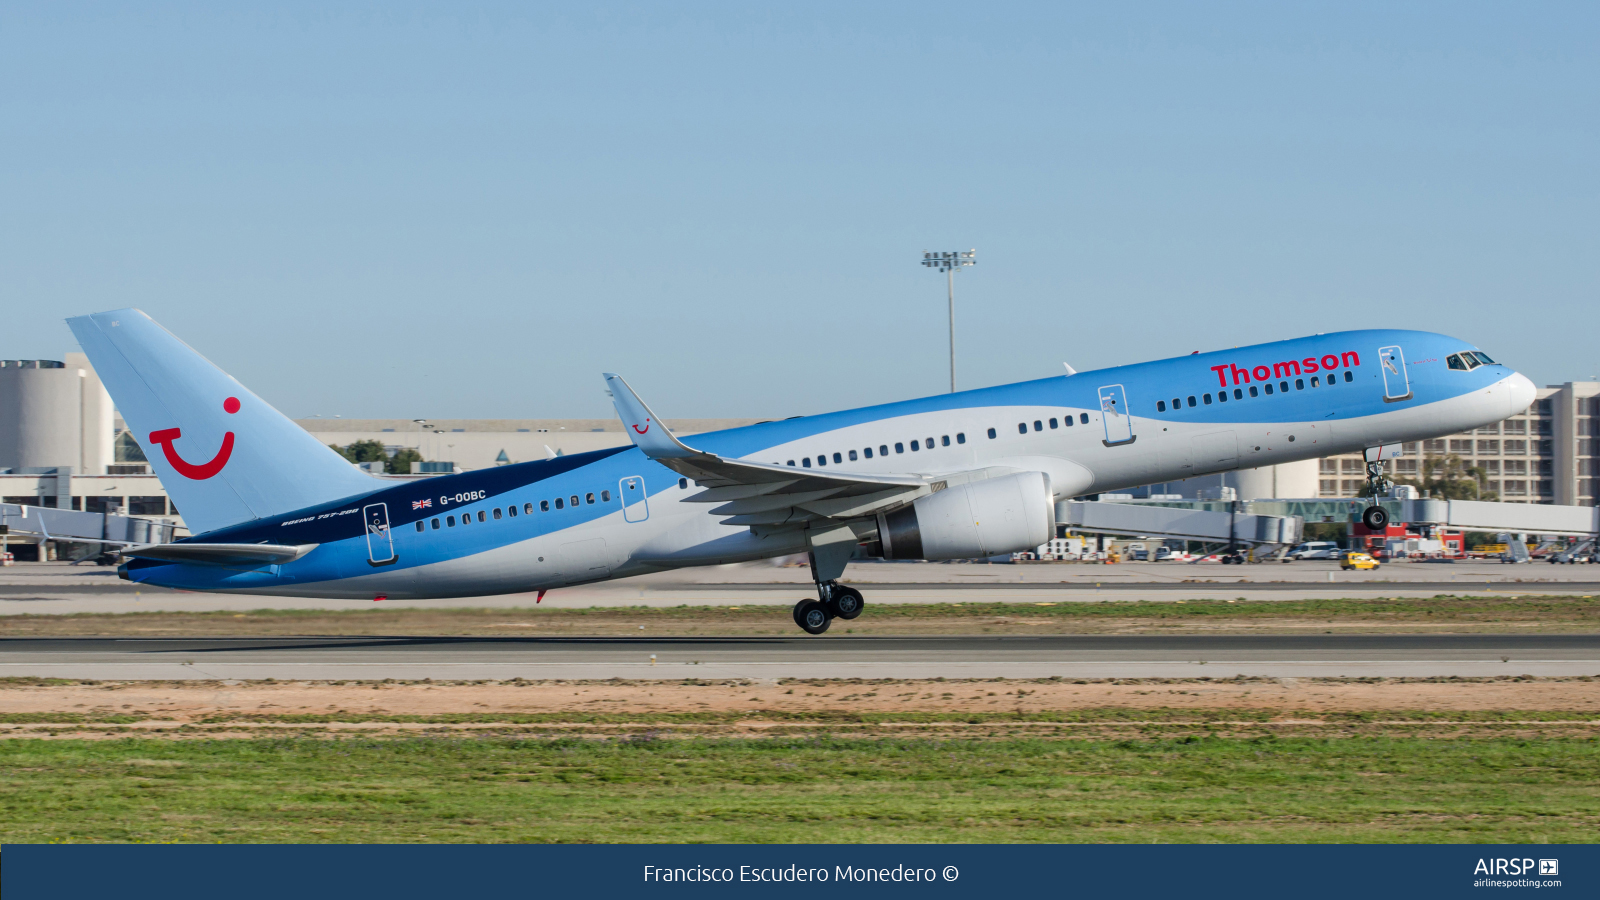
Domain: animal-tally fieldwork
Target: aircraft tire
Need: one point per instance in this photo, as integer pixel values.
(846, 602)
(812, 616)
(1376, 518)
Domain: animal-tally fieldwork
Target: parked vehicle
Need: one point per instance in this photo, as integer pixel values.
(1313, 550)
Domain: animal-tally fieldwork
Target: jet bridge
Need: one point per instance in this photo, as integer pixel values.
(36, 524)
(1215, 526)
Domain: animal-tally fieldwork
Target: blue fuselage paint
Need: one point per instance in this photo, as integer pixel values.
(1239, 408)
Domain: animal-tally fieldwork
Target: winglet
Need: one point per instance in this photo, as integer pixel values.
(642, 426)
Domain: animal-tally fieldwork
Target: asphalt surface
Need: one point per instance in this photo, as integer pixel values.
(801, 656)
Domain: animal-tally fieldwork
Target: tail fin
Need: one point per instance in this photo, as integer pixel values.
(222, 453)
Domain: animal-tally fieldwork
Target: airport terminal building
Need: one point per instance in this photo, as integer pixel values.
(62, 445)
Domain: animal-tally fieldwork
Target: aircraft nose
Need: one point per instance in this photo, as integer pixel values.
(1523, 392)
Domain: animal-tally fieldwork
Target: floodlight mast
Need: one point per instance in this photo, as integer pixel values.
(950, 263)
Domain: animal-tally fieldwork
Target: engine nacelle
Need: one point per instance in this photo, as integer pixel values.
(981, 518)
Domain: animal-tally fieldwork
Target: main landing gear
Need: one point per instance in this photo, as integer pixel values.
(834, 601)
(1375, 517)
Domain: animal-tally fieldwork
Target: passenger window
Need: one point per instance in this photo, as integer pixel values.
(838, 459)
(791, 462)
(867, 451)
(1253, 391)
(1238, 393)
(1316, 381)
(914, 447)
(899, 448)
(1191, 402)
(511, 511)
(883, 449)
(1067, 421)
(852, 456)
(561, 504)
(929, 443)
(1222, 396)
(435, 524)
(527, 508)
(1269, 389)
(1038, 425)
(1083, 418)
(1053, 425)
(497, 512)
(466, 518)
(991, 434)
(1283, 387)
(944, 439)
(605, 496)
(1299, 384)
(421, 525)
(544, 505)
(483, 516)
(683, 483)
(1348, 375)
(1022, 428)
(589, 497)
(961, 437)
(806, 462)
(573, 500)
(1177, 403)
(822, 460)
(1206, 398)
(450, 521)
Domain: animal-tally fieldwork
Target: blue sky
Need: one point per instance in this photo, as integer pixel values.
(473, 210)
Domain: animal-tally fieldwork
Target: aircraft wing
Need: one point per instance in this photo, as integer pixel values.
(753, 493)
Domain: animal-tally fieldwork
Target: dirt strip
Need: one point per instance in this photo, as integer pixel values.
(192, 702)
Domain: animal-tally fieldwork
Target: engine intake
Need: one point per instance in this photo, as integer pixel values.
(982, 518)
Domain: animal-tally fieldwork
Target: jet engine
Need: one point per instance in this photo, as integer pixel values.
(981, 518)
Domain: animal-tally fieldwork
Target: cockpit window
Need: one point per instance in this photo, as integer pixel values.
(1465, 361)
(1454, 361)
(1483, 357)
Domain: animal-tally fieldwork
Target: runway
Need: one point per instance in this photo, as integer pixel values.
(761, 658)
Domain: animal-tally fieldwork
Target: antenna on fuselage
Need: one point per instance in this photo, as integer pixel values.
(1070, 370)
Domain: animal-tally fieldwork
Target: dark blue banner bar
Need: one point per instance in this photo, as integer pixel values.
(1189, 872)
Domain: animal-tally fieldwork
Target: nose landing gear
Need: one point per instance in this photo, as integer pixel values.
(1375, 517)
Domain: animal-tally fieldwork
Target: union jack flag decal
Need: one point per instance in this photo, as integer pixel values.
(421, 504)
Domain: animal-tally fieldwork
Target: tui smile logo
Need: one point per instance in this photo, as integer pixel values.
(644, 429)
(204, 470)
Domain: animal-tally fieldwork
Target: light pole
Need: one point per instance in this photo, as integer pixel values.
(950, 263)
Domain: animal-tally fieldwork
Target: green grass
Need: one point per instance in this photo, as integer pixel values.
(1073, 613)
(1251, 789)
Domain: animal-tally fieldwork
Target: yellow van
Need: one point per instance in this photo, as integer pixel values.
(1354, 560)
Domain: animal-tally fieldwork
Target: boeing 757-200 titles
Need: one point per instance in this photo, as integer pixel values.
(952, 476)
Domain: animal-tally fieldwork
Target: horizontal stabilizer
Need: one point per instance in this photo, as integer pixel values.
(221, 554)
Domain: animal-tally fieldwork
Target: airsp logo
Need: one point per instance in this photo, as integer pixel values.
(1515, 867)
(1549, 867)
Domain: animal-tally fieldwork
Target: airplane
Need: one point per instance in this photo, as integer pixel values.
(963, 475)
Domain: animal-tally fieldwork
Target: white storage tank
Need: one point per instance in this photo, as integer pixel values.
(54, 413)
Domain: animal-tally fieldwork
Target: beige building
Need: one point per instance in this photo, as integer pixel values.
(1545, 455)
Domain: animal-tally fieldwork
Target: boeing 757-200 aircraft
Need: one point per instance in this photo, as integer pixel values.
(953, 476)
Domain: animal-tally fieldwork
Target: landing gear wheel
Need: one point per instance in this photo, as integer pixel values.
(846, 602)
(812, 616)
(1376, 518)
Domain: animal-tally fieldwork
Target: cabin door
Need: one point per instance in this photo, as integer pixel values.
(380, 540)
(635, 506)
(1396, 381)
(1114, 412)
